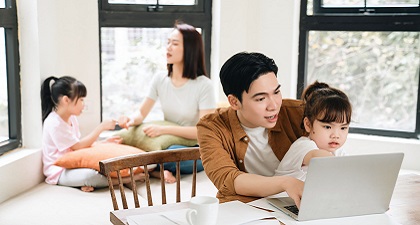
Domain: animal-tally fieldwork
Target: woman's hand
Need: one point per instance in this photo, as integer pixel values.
(124, 122)
(153, 130)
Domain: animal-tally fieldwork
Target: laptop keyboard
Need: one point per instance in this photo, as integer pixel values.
(292, 208)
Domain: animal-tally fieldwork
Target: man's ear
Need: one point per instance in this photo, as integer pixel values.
(307, 124)
(234, 102)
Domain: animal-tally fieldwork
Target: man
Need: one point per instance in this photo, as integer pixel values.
(242, 145)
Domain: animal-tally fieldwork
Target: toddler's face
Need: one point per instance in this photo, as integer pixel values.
(328, 136)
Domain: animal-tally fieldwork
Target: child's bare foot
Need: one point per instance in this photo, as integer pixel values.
(140, 177)
(87, 188)
(127, 180)
(169, 177)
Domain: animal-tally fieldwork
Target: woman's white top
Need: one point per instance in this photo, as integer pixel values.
(182, 104)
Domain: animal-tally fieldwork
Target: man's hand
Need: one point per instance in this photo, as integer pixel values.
(294, 189)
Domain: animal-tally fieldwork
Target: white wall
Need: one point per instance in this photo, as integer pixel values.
(30, 72)
(58, 38)
(268, 26)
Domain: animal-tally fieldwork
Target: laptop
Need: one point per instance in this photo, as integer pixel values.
(345, 186)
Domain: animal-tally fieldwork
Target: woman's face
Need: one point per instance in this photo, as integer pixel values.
(175, 48)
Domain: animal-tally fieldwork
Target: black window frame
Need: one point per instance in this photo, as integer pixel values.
(197, 8)
(8, 21)
(324, 19)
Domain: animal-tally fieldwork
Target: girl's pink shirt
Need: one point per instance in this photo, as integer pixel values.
(57, 138)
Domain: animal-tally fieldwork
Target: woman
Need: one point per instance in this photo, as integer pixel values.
(185, 92)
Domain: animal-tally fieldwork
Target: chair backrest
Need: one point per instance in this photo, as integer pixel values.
(131, 162)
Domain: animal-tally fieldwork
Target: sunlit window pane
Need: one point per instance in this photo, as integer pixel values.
(309, 8)
(4, 115)
(369, 3)
(130, 59)
(378, 70)
(153, 2)
(392, 3)
(343, 3)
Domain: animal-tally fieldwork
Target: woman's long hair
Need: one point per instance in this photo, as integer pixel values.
(194, 64)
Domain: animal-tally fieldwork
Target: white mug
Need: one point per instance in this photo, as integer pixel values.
(203, 210)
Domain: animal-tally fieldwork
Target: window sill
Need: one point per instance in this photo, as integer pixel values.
(17, 154)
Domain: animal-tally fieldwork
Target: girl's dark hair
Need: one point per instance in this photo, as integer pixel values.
(326, 104)
(194, 64)
(63, 86)
(243, 68)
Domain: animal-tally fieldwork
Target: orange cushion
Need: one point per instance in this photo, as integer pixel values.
(90, 157)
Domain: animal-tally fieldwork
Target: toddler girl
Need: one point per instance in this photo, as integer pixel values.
(327, 117)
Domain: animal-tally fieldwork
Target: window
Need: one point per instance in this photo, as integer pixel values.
(134, 34)
(10, 127)
(371, 50)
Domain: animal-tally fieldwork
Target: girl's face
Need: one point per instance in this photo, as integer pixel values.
(175, 48)
(261, 105)
(76, 107)
(327, 136)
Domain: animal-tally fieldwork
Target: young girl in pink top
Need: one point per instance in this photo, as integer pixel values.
(62, 100)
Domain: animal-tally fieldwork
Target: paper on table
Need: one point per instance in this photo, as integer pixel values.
(230, 213)
(263, 222)
(158, 218)
(236, 212)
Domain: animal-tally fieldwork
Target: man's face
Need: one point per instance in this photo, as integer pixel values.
(261, 105)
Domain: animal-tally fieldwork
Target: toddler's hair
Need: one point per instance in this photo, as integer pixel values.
(326, 104)
(63, 86)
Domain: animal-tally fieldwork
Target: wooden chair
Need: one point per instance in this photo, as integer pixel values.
(147, 159)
